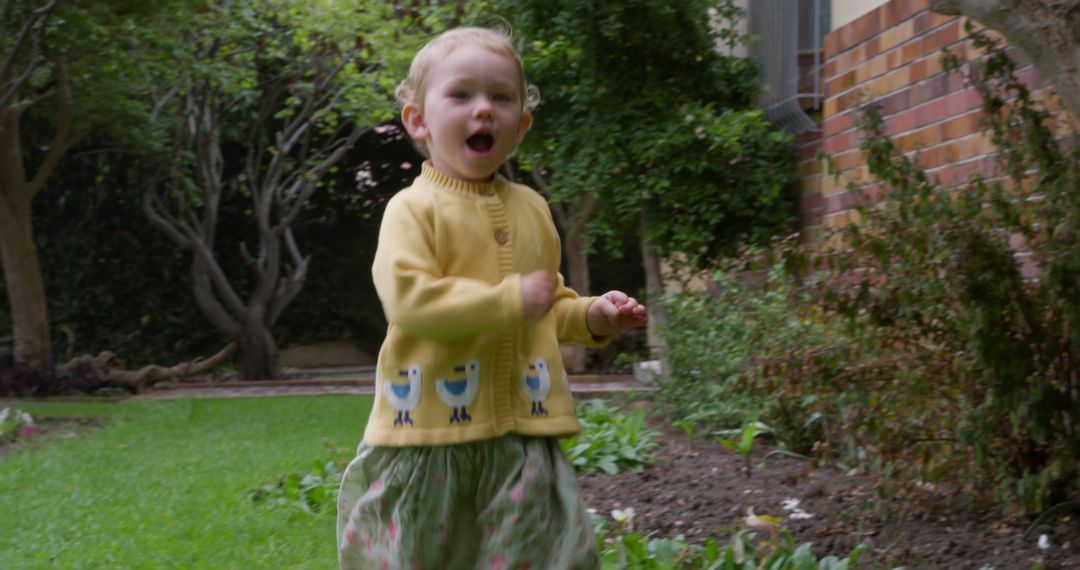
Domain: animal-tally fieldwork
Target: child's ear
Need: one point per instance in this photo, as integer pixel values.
(413, 119)
(526, 122)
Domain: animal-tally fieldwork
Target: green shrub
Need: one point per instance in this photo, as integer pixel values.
(990, 358)
(721, 340)
(916, 348)
(611, 441)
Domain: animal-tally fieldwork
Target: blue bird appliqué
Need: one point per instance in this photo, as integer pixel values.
(537, 387)
(403, 397)
(460, 393)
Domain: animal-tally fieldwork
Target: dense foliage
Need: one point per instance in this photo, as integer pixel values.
(919, 350)
(66, 69)
(115, 283)
(642, 111)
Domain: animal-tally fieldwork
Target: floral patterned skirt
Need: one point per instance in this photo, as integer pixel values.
(506, 503)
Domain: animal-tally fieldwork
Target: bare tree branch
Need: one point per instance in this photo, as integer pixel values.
(1044, 29)
(292, 248)
(108, 367)
(219, 280)
(160, 219)
(318, 171)
(197, 135)
(61, 139)
(208, 303)
(286, 155)
(28, 26)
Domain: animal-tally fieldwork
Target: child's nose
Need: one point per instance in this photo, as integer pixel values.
(483, 107)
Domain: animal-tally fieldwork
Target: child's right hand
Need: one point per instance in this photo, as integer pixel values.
(537, 293)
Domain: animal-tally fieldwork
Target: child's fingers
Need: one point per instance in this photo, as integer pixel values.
(632, 315)
(618, 311)
(629, 307)
(617, 298)
(609, 310)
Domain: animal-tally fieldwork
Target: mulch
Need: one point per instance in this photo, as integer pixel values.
(700, 488)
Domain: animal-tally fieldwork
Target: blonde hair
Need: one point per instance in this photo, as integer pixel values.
(411, 90)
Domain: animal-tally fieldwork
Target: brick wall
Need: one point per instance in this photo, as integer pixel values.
(892, 56)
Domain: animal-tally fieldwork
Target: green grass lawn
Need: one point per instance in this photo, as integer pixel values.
(165, 485)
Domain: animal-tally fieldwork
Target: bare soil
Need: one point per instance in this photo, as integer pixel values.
(700, 489)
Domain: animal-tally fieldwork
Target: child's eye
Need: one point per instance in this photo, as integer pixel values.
(502, 98)
(459, 95)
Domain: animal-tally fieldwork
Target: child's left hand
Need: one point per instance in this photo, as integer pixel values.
(614, 312)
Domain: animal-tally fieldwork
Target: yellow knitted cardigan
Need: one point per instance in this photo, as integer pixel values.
(460, 363)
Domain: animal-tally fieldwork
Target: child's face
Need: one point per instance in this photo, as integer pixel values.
(472, 113)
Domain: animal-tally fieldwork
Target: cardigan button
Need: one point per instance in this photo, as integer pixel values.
(501, 236)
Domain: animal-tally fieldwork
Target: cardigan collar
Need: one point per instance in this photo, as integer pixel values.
(458, 186)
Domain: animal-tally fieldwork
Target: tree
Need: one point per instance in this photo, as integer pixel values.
(573, 218)
(643, 114)
(75, 67)
(1046, 30)
(273, 94)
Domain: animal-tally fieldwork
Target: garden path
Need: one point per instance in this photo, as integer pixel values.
(354, 381)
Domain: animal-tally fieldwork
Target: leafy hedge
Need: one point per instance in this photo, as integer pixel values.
(917, 349)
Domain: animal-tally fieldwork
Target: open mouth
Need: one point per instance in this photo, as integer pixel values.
(480, 142)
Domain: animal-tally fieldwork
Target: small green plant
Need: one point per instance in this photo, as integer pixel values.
(611, 441)
(744, 445)
(314, 492)
(15, 423)
(685, 424)
(623, 548)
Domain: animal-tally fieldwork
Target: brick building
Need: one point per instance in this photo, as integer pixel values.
(889, 53)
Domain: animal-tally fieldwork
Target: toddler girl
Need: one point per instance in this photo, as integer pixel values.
(460, 465)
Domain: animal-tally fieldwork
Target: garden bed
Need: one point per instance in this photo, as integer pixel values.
(700, 489)
(47, 429)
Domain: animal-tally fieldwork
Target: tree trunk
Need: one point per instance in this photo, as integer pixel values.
(578, 276)
(577, 261)
(654, 289)
(22, 274)
(248, 326)
(573, 247)
(258, 358)
(1046, 30)
(25, 289)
